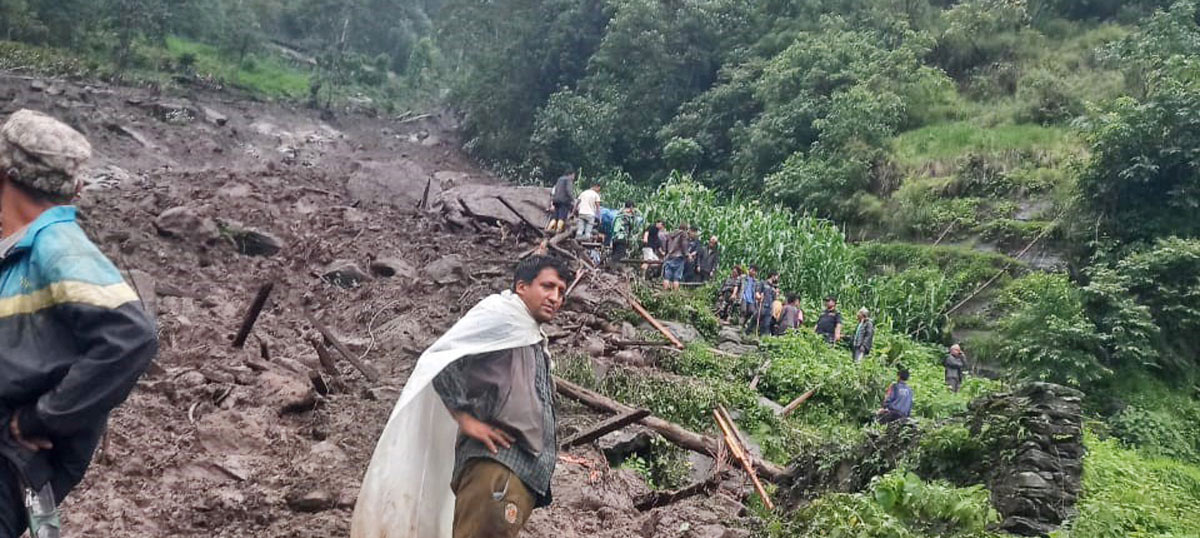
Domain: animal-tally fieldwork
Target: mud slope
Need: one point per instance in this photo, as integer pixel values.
(217, 441)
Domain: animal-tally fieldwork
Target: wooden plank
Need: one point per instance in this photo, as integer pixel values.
(787, 410)
(256, 306)
(670, 431)
(641, 310)
(734, 439)
(367, 371)
(611, 425)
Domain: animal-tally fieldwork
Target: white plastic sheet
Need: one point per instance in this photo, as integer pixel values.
(406, 490)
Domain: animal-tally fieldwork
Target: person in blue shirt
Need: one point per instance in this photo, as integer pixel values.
(747, 288)
(897, 404)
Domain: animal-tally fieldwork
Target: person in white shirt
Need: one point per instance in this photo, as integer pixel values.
(588, 207)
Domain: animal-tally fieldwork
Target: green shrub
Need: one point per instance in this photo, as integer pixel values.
(692, 306)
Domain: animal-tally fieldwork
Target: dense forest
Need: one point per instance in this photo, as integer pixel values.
(905, 155)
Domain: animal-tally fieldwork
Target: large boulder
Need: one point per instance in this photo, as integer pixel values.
(185, 222)
(448, 269)
(399, 184)
(684, 332)
(482, 202)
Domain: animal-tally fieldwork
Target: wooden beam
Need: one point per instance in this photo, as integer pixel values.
(611, 425)
(256, 306)
(758, 375)
(367, 371)
(537, 229)
(641, 310)
(670, 431)
(658, 499)
(733, 438)
(797, 402)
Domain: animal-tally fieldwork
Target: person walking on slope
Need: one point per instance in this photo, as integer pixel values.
(470, 447)
(898, 401)
(588, 208)
(75, 336)
(562, 199)
(747, 288)
(677, 254)
(708, 259)
(727, 297)
(864, 336)
(791, 317)
(652, 246)
(955, 362)
(625, 228)
(829, 324)
(763, 322)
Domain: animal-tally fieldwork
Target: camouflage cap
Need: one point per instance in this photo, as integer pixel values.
(43, 153)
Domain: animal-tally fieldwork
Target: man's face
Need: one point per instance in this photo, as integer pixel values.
(712, 241)
(660, 225)
(754, 272)
(693, 234)
(830, 304)
(955, 350)
(544, 296)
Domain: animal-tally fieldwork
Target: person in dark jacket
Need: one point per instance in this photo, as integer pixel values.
(763, 323)
(562, 201)
(708, 259)
(829, 323)
(898, 401)
(864, 336)
(955, 362)
(727, 296)
(74, 337)
(791, 317)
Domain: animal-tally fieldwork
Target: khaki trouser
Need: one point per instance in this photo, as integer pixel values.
(490, 501)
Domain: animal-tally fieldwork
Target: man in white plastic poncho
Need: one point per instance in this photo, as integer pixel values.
(470, 447)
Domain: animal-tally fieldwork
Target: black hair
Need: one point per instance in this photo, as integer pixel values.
(628, 204)
(903, 373)
(695, 229)
(772, 274)
(528, 270)
(791, 298)
(753, 267)
(830, 298)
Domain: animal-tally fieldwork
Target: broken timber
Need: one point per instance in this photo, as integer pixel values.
(797, 402)
(672, 432)
(658, 499)
(366, 369)
(758, 375)
(639, 343)
(733, 438)
(327, 362)
(260, 300)
(604, 428)
(641, 310)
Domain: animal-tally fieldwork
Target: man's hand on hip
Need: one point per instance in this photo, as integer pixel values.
(34, 443)
(483, 432)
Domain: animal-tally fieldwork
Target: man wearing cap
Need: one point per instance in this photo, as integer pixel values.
(73, 335)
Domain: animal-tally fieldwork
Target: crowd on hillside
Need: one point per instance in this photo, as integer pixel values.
(745, 298)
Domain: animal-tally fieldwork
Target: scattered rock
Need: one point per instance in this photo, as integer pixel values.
(344, 274)
(393, 267)
(214, 117)
(684, 332)
(737, 349)
(107, 177)
(482, 199)
(448, 269)
(382, 394)
(38, 85)
(289, 392)
(185, 222)
(594, 346)
(729, 333)
(632, 357)
(255, 243)
(173, 112)
(618, 445)
(310, 501)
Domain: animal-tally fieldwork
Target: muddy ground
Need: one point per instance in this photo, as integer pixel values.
(217, 441)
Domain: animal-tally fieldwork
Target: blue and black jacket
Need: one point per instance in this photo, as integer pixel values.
(74, 339)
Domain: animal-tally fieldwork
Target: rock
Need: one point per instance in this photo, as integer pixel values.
(684, 332)
(737, 349)
(448, 179)
(382, 394)
(38, 85)
(393, 267)
(770, 404)
(446, 270)
(482, 199)
(344, 274)
(618, 445)
(214, 117)
(184, 222)
(193, 378)
(628, 331)
(729, 334)
(399, 183)
(594, 346)
(312, 501)
(54, 91)
(107, 177)
(289, 392)
(255, 243)
(173, 112)
(632, 357)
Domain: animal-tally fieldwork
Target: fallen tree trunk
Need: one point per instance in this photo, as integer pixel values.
(670, 431)
(659, 499)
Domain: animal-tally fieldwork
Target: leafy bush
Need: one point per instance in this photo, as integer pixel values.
(693, 307)
(1128, 494)
(1165, 279)
(1046, 334)
(952, 453)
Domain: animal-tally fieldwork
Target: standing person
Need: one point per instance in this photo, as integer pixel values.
(898, 401)
(746, 289)
(727, 295)
(708, 259)
(76, 337)
(588, 208)
(473, 434)
(652, 246)
(764, 296)
(562, 199)
(677, 253)
(829, 324)
(955, 362)
(864, 335)
(624, 233)
(791, 317)
(693, 254)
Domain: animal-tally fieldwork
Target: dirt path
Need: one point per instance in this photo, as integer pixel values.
(223, 442)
